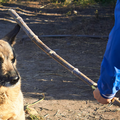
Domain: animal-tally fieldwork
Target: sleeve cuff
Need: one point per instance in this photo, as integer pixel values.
(108, 96)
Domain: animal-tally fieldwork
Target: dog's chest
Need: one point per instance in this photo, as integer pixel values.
(10, 107)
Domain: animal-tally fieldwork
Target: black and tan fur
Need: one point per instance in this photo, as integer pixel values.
(11, 98)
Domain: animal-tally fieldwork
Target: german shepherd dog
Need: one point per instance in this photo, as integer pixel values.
(11, 98)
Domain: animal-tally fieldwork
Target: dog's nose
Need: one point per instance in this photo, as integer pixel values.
(14, 80)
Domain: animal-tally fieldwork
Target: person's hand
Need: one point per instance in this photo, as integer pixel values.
(99, 98)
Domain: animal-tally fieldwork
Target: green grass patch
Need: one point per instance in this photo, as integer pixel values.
(84, 2)
(106, 2)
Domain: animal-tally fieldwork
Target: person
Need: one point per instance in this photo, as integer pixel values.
(109, 81)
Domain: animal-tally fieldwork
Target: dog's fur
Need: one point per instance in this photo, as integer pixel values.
(11, 98)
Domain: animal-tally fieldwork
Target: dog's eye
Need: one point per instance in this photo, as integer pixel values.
(1, 60)
(14, 57)
(13, 60)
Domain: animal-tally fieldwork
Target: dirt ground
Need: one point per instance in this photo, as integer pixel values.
(66, 96)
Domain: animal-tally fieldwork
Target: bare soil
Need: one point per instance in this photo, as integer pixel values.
(66, 96)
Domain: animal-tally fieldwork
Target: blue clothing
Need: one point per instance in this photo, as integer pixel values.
(109, 81)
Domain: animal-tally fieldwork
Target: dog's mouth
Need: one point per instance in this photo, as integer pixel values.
(9, 81)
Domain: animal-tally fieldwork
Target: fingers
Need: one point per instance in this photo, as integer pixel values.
(99, 98)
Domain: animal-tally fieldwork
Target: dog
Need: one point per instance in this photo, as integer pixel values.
(11, 97)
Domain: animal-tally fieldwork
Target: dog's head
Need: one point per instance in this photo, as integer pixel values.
(8, 72)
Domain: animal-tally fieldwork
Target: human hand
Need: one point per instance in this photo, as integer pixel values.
(99, 98)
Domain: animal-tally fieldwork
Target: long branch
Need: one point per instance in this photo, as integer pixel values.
(48, 51)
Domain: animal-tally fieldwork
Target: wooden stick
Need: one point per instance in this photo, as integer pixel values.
(48, 51)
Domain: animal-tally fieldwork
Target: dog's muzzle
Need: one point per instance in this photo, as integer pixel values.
(9, 80)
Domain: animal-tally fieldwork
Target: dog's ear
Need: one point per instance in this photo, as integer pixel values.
(10, 37)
